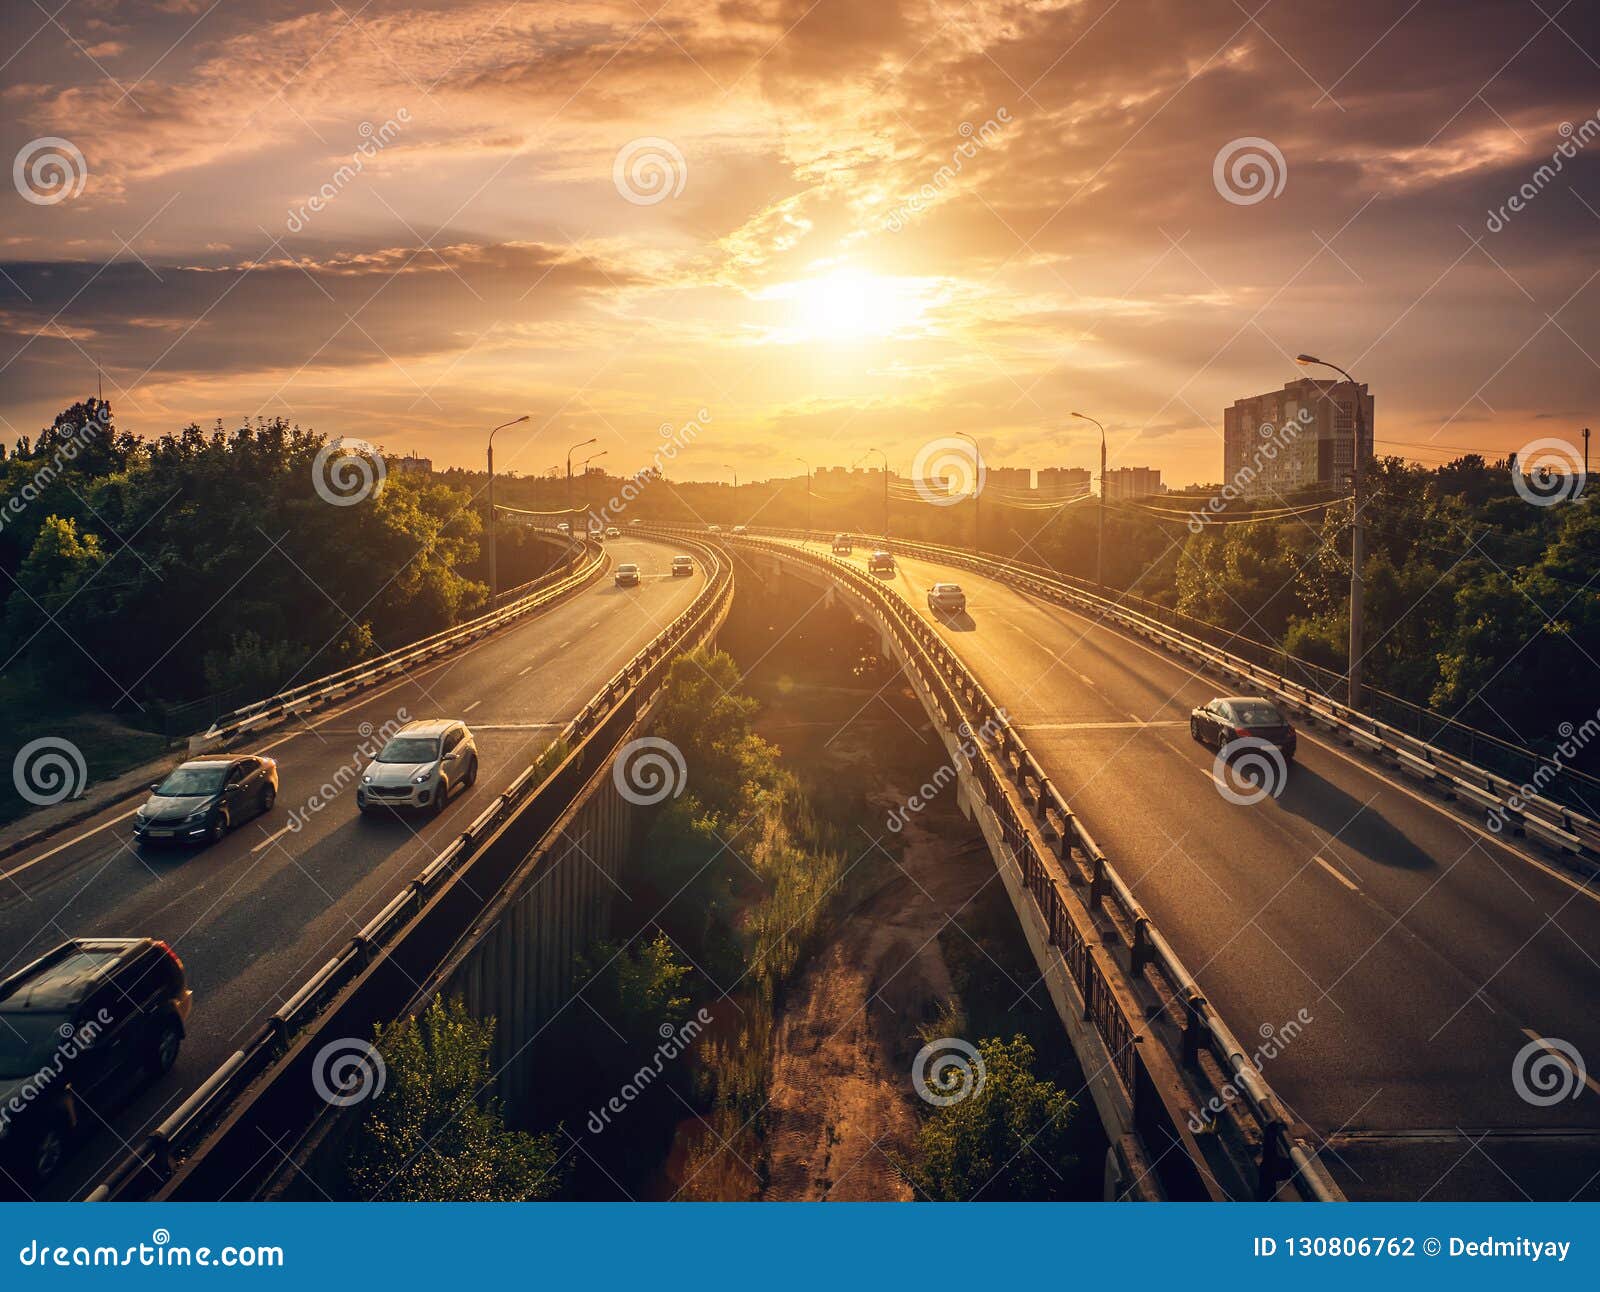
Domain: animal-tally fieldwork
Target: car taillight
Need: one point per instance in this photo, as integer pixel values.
(1241, 731)
(170, 954)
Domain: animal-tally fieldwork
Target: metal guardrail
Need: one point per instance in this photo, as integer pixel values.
(436, 906)
(586, 563)
(1046, 820)
(1503, 801)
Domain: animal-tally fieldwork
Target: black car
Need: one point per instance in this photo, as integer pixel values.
(842, 544)
(1228, 718)
(201, 800)
(79, 1028)
(880, 563)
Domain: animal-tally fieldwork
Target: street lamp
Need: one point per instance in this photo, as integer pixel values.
(583, 470)
(1358, 536)
(593, 439)
(494, 578)
(807, 466)
(1100, 528)
(885, 458)
(977, 493)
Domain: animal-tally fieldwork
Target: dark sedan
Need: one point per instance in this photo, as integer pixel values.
(206, 797)
(1228, 718)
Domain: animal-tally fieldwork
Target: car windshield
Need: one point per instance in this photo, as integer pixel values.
(410, 749)
(189, 781)
(27, 1042)
(1257, 714)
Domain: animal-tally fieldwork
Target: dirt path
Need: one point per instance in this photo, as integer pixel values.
(842, 1101)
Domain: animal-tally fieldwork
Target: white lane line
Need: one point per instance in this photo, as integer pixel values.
(1338, 874)
(270, 839)
(1136, 725)
(77, 838)
(529, 669)
(564, 645)
(470, 707)
(1086, 679)
(1550, 1049)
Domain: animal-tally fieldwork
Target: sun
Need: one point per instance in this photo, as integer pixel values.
(848, 305)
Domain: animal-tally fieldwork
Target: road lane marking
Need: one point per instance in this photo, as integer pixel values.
(526, 670)
(1550, 1049)
(518, 726)
(470, 707)
(564, 645)
(271, 839)
(45, 856)
(1338, 874)
(1136, 725)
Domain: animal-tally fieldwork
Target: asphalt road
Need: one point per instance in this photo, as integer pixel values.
(255, 915)
(1427, 952)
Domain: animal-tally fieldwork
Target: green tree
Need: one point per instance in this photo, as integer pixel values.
(1005, 1142)
(434, 1135)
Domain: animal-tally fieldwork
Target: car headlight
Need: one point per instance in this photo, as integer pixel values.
(367, 779)
(422, 778)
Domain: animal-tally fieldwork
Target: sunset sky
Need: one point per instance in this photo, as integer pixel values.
(804, 270)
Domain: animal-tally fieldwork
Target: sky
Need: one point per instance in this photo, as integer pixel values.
(816, 229)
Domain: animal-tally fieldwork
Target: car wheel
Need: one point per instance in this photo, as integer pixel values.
(472, 772)
(441, 796)
(1194, 729)
(269, 796)
(217, 828)
(165, 1052)
(49, 1151)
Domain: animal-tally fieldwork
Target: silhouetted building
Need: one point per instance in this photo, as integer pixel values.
(1295, 438)
(1132, 482)
(1017, 479)
(413, 465)
(1063, 480)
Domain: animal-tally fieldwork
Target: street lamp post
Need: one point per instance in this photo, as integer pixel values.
(977, 494)
(885, 458)
(1100, 527)
(494, 577)
(807, 498)
(583, 470)
(580, 444)
(1358, 537)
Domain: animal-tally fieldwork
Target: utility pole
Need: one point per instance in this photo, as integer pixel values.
(1585, 459)
(807, 466)
(1100, 527)
(977, 494)
(885, 458)
(1358, 538)
(580, 444)
(730, 467)
(583, 470)
(494, 577)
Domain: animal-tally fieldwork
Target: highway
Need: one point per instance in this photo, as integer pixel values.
(255, 915)
(1427, 952)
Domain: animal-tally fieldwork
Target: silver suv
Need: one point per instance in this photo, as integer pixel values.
(420, 767)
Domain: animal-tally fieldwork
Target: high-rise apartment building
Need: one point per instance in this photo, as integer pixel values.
(1295, 438)
(1132, 482)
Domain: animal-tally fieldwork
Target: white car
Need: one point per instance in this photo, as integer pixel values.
(740, 529)
(946, 598)
(713, 529)
(421, 767)
(634, 523)
(627, 575)
(564, 528)
(613, 532)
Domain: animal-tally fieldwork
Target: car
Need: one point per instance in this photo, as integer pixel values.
(880, 563)
(80, 1027)
(613, 532)
(682, 565)
(563, 528)
(740, 529)
(841, 543)
(204, 798)
(947, 599)
(632, 524)
(713, 529)
(420, 767)
(627, 575)
(1228, 718)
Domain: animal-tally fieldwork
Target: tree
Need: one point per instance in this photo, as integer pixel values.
(433, 1135)
(1006, 1141)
